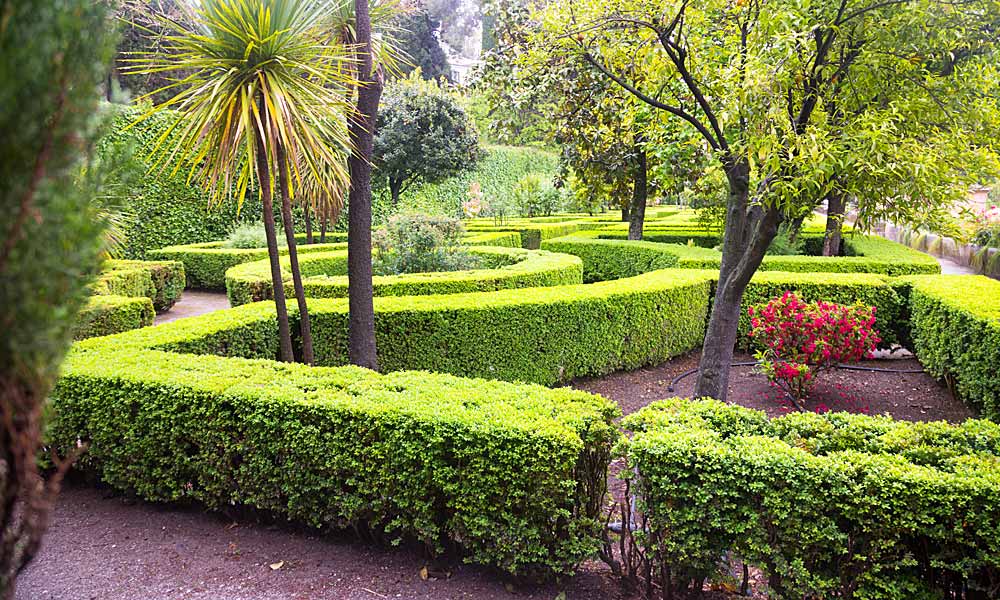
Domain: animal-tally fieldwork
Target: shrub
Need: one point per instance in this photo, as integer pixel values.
(105, 315)
(801, 339)
(826, 506)
(514, 474)
(324, 276)
(605, 260)
(955, 325)
(249, 236)
(413, 243)
(162, 281)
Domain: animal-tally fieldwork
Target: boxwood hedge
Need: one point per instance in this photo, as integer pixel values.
(865, 254)
(826, 506)
(324, 275)
(513, 474)
(108, 314)
(163, 280)
(955, 326)
(205, 264)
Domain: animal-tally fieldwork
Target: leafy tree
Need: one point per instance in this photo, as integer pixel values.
(53, 57)
(423, 135)
(885, 102)
(417, 37)
(260, 101)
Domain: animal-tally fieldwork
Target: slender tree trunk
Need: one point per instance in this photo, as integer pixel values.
(625, 212)
(363, 351)
(309, 223)
(639, 195)
(270, 232)
(293, 257)
(836, 207)
(322, 225)
(749, 231)
(394, 189)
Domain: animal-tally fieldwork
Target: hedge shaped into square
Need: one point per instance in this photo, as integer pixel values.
(826, 506)
(166, 278)
(514, 474)
(108, 314)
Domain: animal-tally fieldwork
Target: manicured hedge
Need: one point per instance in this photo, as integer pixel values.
(603, 260)
(533, 233)
(826, 506)
(540, 335)
(166, 277)
(108, 314)
(505, 239)
(324, 276)
(513, 474)
(206, 264)
(955, 326)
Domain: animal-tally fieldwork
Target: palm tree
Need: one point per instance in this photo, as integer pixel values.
(261, 101)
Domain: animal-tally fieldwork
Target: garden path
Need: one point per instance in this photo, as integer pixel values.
(193, 303)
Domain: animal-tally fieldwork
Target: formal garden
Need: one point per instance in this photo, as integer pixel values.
(295, 308)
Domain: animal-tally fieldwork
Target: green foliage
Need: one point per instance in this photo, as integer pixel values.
(415, 36)
(415, 243)
(53, 55)
(105, 315)
(826, 506)
(534, 334)
(205, 264)
(605, 260)
(160, 281)
(405, 455)
(423, 135)
(534, 198)
(161, 208)
(248, 236)
(788, 242)
(324, 276)
(497, 173)
(955, 324)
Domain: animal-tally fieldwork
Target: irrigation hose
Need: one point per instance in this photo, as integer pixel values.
(690, 372)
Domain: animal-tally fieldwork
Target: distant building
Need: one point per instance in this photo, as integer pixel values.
(462, 68)
(979, 197)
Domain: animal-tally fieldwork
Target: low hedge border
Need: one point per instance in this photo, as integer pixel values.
(955, 326)
(866, 254)
(324, 276)
(503, 239)
(206, 264)
(514, 474)
(831, 505)
(166, 278)
(108, 314)
(534, 233)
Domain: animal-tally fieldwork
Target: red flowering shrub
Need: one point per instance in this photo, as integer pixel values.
(801, 339)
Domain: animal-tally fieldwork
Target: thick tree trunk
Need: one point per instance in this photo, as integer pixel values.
(309, 223)
(637, 214)
(625, 212)
(836, 207)
(293, 257)
(270, 232)
(363, 351)
(394, 190)
(749, 231)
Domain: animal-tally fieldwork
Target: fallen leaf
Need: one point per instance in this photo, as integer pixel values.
(423, 573)
(277, 565)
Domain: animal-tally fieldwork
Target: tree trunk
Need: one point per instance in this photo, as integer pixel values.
(749, 231)
(625, 212)
(309, 223)
(836, 207)
(637, 214)
(394, 190)
(361, 338)
(293, 257)
(322, 226)
(284, 331)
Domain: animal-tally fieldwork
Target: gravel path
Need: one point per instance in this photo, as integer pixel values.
(193, 303)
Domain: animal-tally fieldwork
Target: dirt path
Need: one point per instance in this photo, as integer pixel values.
(193, 303)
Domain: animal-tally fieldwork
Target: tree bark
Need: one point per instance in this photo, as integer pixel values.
(322, 226)
(309, 223)
(394, 190)
(293, 257)
(625, 212)
(836, 207)
(749, 231)
(637, 214)
(270, 232)
(361, 337)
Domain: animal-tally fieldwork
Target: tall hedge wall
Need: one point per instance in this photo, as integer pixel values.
(514, 474)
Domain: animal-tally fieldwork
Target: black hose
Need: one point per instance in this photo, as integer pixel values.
(689, 372)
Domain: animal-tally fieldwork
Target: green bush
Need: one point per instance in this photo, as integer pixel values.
(416, 243)
(324, 275)
(514, 474)
(250, 235)
(955, 326)
(105, 315)
(826, 506)
(539, 335)
(162, 281)
(205, 264)
(504, 239)
(497, 173)
(604, 260)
